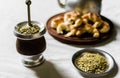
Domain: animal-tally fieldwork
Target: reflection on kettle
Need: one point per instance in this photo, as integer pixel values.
(85, 5)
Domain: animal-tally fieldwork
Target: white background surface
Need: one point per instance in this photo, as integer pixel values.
(58, 55)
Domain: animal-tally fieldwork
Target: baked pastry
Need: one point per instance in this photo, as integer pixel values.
(76, 23)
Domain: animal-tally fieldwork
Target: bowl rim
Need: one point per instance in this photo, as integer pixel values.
(109, 58)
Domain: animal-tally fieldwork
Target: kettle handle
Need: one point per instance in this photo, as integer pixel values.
(61, 4)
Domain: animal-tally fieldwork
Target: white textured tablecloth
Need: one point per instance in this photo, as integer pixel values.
(58, 55)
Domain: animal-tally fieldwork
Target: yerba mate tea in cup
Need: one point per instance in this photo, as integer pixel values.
(30, 42)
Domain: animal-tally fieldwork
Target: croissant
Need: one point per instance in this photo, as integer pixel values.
(76, 24)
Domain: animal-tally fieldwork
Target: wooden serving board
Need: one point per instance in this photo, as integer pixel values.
(84, 40)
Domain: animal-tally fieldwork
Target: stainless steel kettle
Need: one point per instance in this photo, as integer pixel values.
(89, 5)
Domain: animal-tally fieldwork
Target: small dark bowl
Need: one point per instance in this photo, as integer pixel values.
(93, 75)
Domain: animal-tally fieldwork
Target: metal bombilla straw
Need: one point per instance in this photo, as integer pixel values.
(28, 3)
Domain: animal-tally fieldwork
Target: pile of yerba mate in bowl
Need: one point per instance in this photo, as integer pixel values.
(93, 63)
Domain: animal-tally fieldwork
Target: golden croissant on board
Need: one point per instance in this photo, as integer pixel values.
(76, 23)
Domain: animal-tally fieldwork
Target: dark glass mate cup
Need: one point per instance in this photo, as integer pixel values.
(31, 46)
